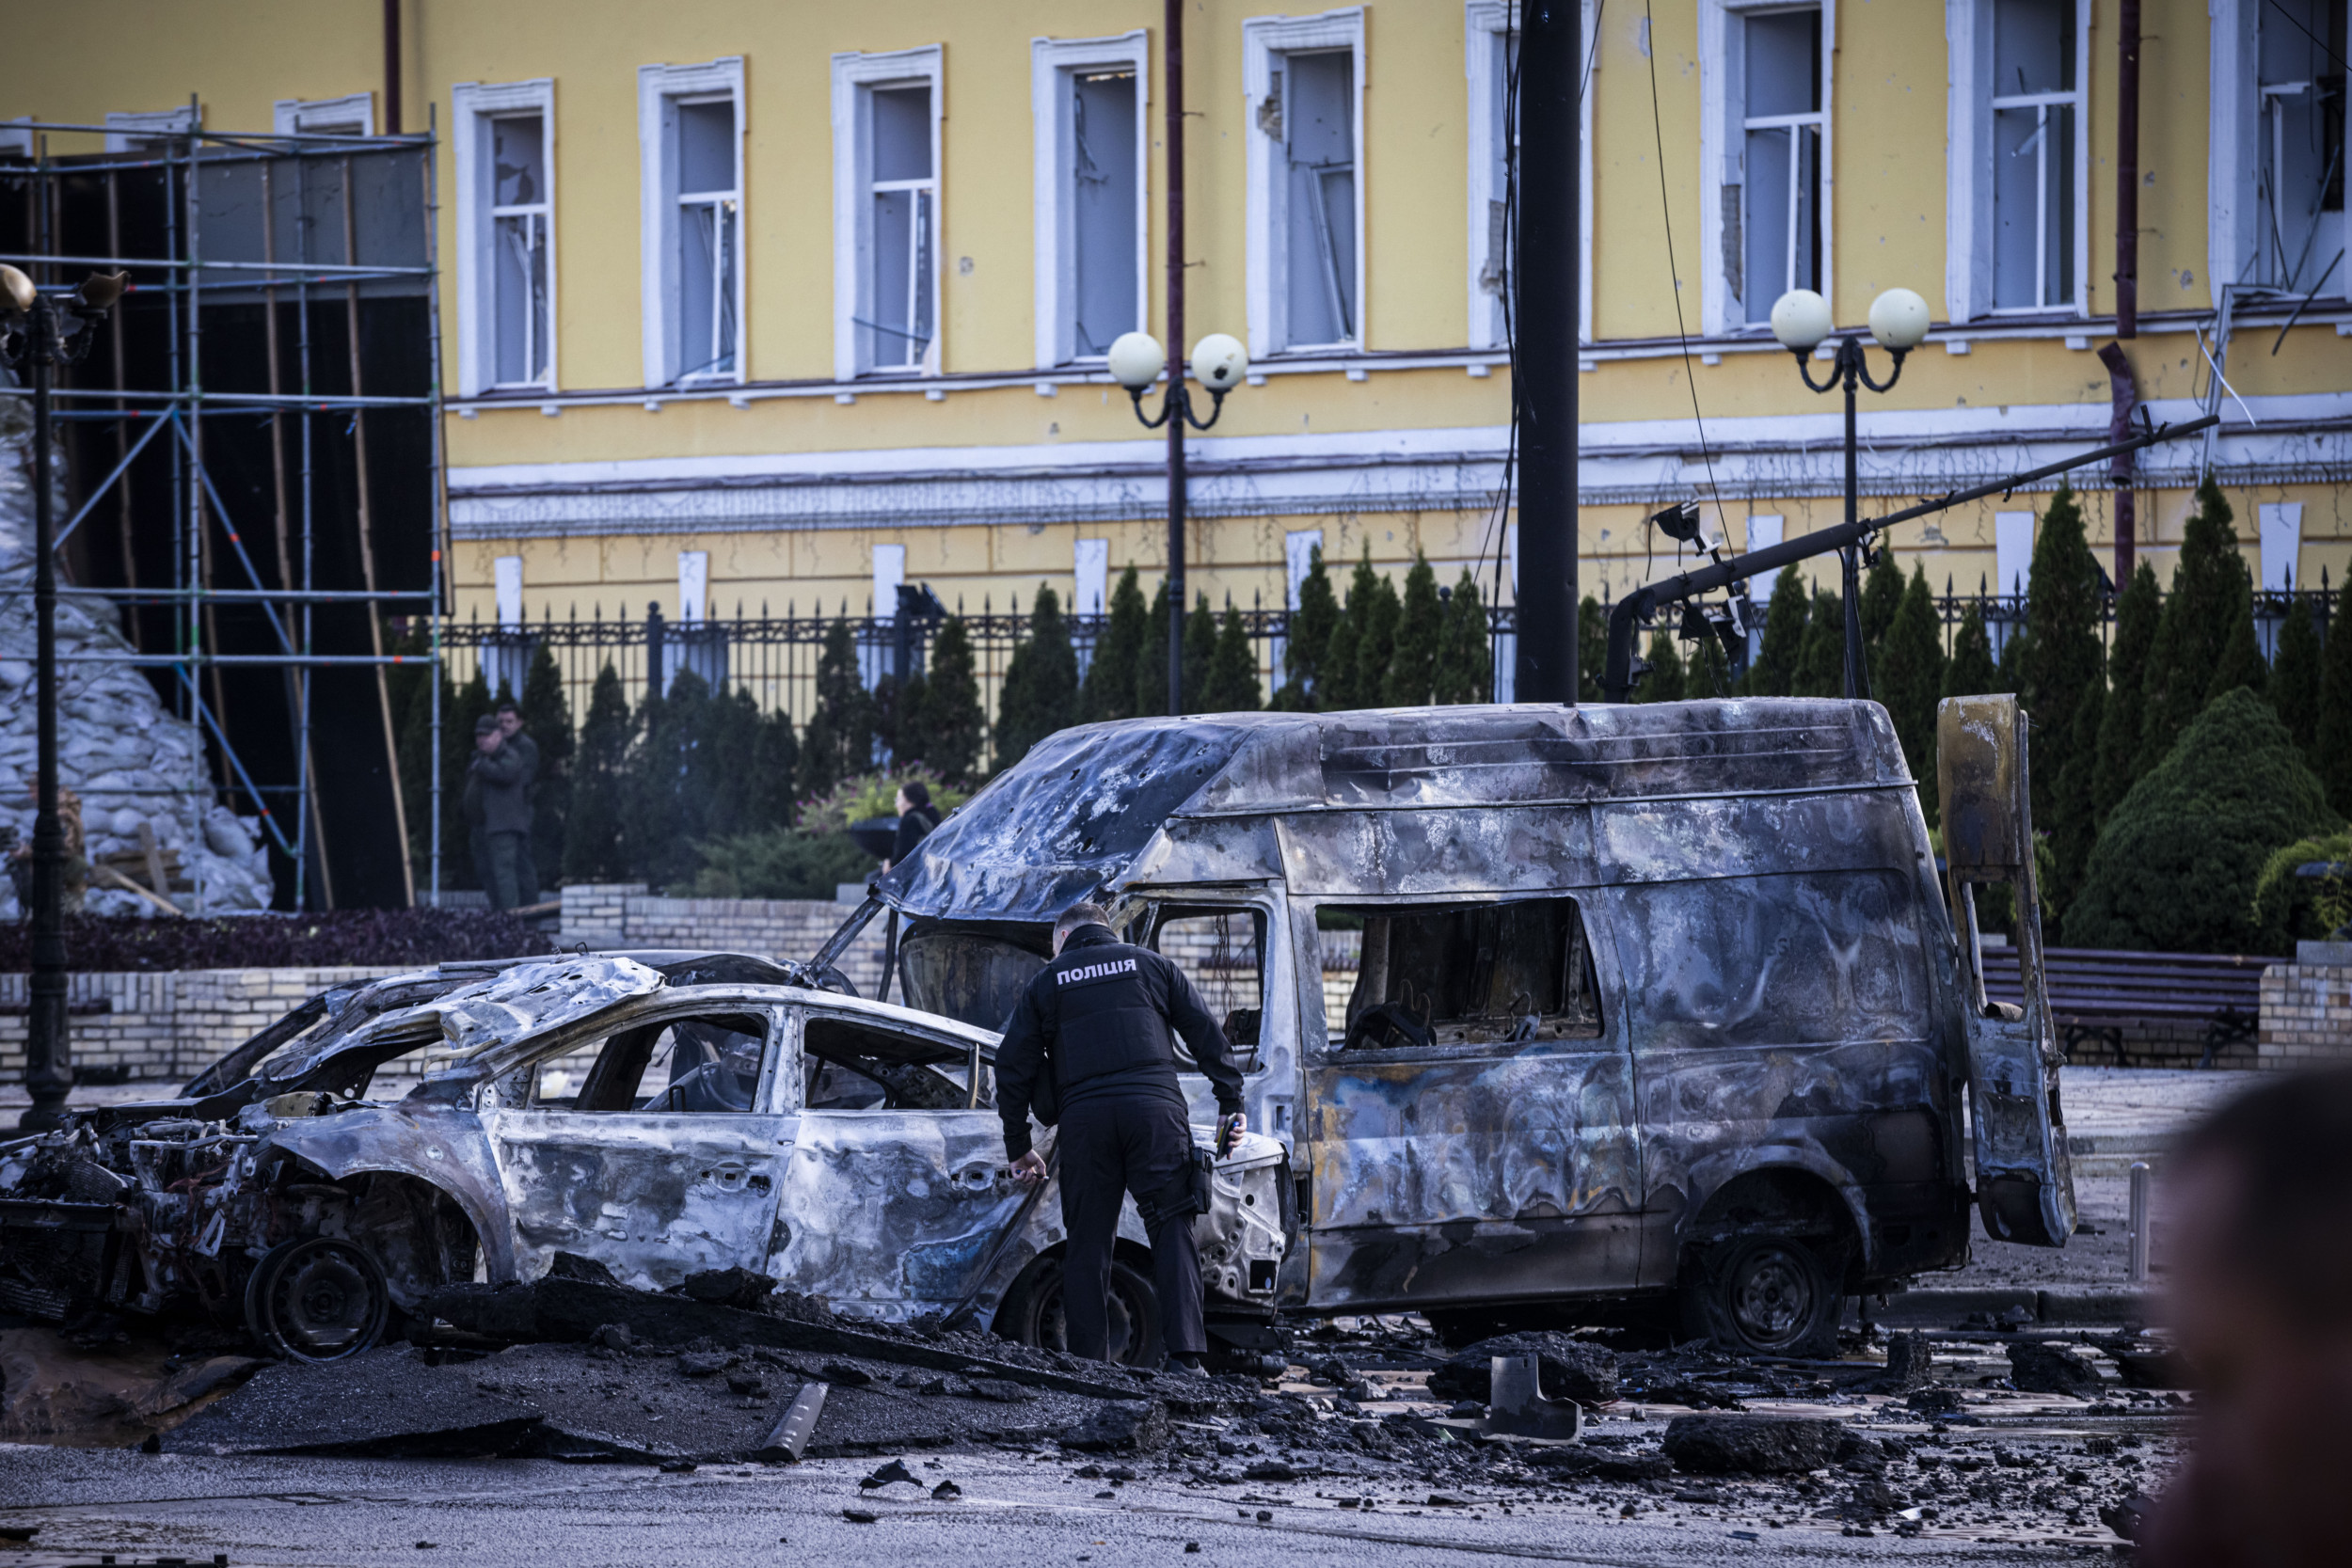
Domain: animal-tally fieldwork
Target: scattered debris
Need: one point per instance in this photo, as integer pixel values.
(1122, 1426)
(1909, 1363)
(1572, 1368)
(1750, 1445)
(2037, 1367)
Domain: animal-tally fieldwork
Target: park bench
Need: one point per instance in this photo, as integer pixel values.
(2096, 994)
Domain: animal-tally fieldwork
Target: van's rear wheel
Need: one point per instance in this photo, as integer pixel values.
(1033, 1313)
(1764, 1295)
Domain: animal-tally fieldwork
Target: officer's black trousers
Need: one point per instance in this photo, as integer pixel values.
(1137, 1144)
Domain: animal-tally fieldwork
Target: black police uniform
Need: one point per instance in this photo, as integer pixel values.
(1098, 1018)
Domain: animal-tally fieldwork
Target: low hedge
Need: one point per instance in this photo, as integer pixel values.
(362, 939)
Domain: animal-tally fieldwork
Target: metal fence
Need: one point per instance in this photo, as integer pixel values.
(774, 658)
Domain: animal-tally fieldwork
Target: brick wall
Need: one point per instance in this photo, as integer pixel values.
(164, 1026)
(2307, 1010)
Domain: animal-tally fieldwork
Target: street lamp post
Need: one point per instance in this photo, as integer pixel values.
(1899, 320)
(1218, 363)
(37, 333)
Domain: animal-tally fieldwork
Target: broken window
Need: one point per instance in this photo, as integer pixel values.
(1772, 240)
(708, 203)
(851, 1065)
(696, 1064)
(520, 215)
(1494, 277)
(1433, 975)
(1103, 197)
(2036, 107)
(1310, 110)
(902, 197)
(1222, 952)
(2299, 143)
(1822, 958)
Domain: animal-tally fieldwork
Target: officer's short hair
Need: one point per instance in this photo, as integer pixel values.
(1081, 914)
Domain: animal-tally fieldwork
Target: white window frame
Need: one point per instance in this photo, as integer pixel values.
(659, 90)
(1723, 149)
(854, 77)
(294, 116)
(1969, 105)
(1051, 63)
(472, 106)
(1267, 281)
(1484, 22)
(133, 131)
(2234, 149)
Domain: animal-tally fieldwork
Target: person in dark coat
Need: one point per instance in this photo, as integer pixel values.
(518, 740)
(498, 809)
(916, 818)
(1091, 1046)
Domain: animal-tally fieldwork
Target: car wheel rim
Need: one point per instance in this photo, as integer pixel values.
(1772, 1296)
(327, 1300)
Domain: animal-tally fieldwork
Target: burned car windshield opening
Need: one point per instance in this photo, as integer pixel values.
(972, 974)
(1462, 974)
(702, 1065)
(859, 1067)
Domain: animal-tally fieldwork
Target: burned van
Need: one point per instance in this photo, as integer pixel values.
(1596, 1007)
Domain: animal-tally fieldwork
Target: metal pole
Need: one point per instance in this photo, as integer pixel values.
(391, 67)
(1174, 28)
(1857, 676)
(441, 562)
(2122, 392)
(48, 1051)
(1551, 61)
(2138, 1272)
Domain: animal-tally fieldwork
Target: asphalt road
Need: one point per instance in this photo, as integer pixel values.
(1014, 1511)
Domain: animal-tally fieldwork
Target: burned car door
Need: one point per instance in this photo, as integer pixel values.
(663, 1161)
(2024, 1181)
(898, 1185)
(1470, 1109)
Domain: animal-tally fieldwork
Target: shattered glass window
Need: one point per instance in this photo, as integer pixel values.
(1453, 975)
(853, 1065)
(702, 1065)
(1822, 958)
(1222, 952)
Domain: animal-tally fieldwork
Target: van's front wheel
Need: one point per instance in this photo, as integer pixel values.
(1764, 1295)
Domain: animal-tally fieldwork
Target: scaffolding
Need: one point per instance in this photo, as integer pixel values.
(216, 229)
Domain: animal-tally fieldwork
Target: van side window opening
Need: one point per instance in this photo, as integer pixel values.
(1463, 975)
(1816, 959)
(1222, 952)
(856, 1067)
(693, 1065)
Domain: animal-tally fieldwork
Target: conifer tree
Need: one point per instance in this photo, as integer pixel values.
(1339, 660)
(2331, 740)
(1821, 660)
(1110, 683)
(1466, 648)
(547, 719)
(2294, 688)
(1306, 640)
(596, 845)
(1971, 671)
(1233, 684)
(1882, 595)
(1200, 653)
(837, 741)
(1706, 670)
(2122, 720)
(1151, 659)
(2241, 653)
(1665, 683)
(2193, 633)
(952, 720)
(1376, 648)
(2076, 833)
(775, 756)
(1412, 672)
(1041, 689)
(1592, 649)
(1774, 672)
(2061, 664)
(1911, 681)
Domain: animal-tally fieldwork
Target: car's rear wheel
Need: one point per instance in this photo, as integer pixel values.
(1764, 1295)
(317, 1299)
(1033, 1313)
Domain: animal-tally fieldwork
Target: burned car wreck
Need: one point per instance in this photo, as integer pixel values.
(662, 1115)
(1659, 1005)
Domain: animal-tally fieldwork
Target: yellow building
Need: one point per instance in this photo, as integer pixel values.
(786, 303)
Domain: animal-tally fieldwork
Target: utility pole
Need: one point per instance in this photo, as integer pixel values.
(1173, 26)
(1541, 299)
(2122, 392)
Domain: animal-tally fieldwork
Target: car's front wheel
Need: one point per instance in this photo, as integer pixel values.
(1033, 1313)
(317, 1299)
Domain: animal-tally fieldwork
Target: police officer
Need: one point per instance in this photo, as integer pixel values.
(1089, 1047)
